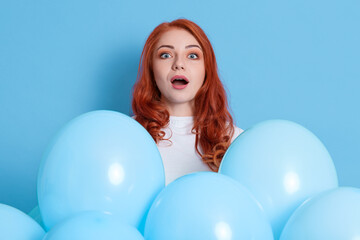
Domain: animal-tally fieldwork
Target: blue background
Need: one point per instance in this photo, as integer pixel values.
(294, 60)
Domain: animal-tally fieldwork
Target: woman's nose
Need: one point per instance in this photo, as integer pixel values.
(178, 64)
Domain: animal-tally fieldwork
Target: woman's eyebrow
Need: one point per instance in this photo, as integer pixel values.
(172, 47)
(190, 46)
(168, 46)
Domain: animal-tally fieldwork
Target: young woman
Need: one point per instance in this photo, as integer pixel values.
(180, 100)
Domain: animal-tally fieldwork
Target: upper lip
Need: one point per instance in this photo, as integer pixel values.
(179, 77)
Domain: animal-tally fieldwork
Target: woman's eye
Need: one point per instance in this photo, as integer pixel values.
(165, 55)
(193, 56)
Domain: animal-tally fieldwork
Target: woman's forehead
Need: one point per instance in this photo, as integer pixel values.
(177, 37)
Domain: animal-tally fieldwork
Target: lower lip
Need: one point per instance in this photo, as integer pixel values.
(179, 86)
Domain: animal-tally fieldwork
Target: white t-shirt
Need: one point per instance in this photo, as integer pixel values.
(179, 156)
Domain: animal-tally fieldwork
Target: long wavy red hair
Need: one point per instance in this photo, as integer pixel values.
(213, 124)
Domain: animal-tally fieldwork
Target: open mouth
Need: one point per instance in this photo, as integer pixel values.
(179, 82)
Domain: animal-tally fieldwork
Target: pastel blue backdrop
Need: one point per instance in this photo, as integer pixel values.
(295, 60)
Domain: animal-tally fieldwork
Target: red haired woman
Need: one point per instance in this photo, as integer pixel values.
(179, 99)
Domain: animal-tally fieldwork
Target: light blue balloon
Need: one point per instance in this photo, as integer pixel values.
(102, 160)
(282, 164)
(206, 205)
(16, 225)
(93, 225)
(333, 215)
(35, 214)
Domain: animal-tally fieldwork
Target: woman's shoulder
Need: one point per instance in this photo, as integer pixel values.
(237, 132)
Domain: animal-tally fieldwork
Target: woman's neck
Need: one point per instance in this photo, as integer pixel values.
(181, 110)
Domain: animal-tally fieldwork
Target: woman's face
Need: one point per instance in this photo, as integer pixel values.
(179, 70)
